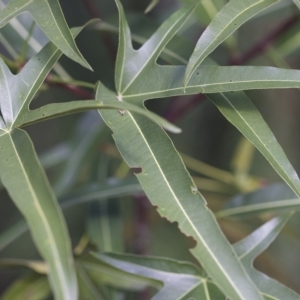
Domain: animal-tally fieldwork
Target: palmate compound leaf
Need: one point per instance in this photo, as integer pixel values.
(236, 107)
(163, 175)
(228, 20)
(21, 172)
(49, 16)
(264, 135)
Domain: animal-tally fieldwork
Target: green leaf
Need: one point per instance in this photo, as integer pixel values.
(33, 287)
(133, 66)
(151, 5)
(159, 161)
(85, 194)
(208, 78)
(102, 271)
(20, 89)
(297, 3)
(226, 21)
(240, 111)
(12, 233)
(28, 187)
(163, 175)
(87, 288)
(171, 285)
(253, 245)
(49, 16)
(276, 198)
(37, 266)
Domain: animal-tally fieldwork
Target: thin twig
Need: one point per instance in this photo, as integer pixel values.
(263, 45)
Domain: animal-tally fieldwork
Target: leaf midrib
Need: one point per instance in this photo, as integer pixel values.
(61, 34)
(256, 207)
(199, 61)
(182, 209)
(202, 86)
(295, 189)
(44, 221)
(154, 53)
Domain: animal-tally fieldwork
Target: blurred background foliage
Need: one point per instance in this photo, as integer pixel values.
(104, 206)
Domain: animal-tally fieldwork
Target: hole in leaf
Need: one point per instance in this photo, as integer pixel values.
(137, 170)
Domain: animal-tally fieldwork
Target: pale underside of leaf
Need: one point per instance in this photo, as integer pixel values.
(49, 16)
(26, 182)
(175, 285)
(226, 21)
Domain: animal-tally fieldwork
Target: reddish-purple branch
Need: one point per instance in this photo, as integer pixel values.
(265, 42)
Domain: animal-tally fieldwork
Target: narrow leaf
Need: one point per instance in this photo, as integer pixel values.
(18, 90)
(103, 272)
(177, 198)
(28, 187)
(37, 266)
(226, 21)
(151, 5)
(61, 109)
(12, 233)
(253, 245)
(87, 288)
(276, 198)
(132, 65)
(33, 287)
(175, 285)
(297, 3)
(240, 111)
(86, 194)
(49, 16)
(210, 78)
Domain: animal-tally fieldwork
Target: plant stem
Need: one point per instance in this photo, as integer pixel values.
(262, 46)
(56, 79)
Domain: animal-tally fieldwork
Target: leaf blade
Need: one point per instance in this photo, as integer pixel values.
(164, 191)
(49, 16)
(23, 177)
(239, 110)
(229, 19)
